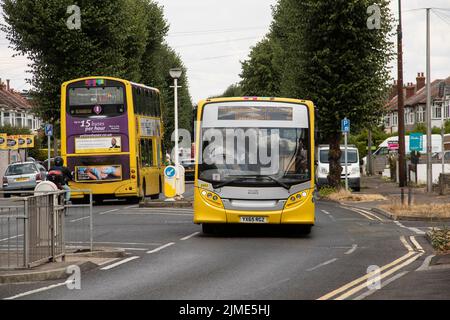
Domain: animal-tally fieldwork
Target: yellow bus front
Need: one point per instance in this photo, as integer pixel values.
(254, 162)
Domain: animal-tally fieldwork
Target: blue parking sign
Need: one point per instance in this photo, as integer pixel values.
(345, 125)
(49, 130)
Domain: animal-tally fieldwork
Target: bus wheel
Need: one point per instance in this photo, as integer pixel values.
(154, 196)
(304, 229)
(208, 228)
(133, 200)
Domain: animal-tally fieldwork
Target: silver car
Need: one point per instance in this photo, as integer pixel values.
(22, 176)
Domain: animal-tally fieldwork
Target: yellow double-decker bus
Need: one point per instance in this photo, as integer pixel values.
(254, 162)
(111, 131)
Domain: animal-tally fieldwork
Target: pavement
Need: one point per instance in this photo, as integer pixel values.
(167, 257)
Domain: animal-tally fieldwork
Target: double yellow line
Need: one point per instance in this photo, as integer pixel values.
(361, 283)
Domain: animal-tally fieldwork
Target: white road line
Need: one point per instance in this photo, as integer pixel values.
(76, 220)
(322, 264)
(6, 239)
(371, 214)
(352, 249)
(406, 244)
(382, 285)
(120, 263)
(426, 263)
(109, 211)
(325, 211)
(361, 213)
(154, 213)
(38, 290)
(119, 243)
(415, 230)
(189, 236)
(161, 247)
(130, 207)
(416, 244)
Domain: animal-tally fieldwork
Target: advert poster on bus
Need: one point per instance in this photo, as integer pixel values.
(98, 144)
(3, 140)
(13, 142)
(98, 173)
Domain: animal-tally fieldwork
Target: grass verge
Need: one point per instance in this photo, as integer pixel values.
(344, 195)
(419, 210)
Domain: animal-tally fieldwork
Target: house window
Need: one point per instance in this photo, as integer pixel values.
(420, 115)
(409, 116)
(6, 118)
(387, 121)
(395, 119)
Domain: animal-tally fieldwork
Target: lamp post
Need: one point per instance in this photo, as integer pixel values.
(176, 73)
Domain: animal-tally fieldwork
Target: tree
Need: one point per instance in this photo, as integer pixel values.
(259, 75)
(234, 90)
(327, 54)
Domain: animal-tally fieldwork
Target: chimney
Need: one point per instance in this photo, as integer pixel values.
(420, 80)
(410, 90)
(7, 85)
(393, 90)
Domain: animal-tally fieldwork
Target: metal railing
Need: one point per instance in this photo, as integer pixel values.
(33, 228)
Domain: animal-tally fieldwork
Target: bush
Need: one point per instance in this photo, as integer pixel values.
(326, 191)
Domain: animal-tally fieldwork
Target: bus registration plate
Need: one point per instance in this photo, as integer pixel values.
(253, 219)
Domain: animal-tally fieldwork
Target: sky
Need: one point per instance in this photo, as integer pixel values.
(214, 36)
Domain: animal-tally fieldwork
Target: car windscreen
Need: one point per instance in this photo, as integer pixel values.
(26, 168)
(352, 156)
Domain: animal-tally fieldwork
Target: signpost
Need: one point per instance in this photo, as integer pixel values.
(48, 133)
(345, 128)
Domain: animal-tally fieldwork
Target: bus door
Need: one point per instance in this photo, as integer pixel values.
(149, 167)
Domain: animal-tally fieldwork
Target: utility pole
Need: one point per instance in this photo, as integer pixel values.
(401, 110)
(428, 84)
(369, 154)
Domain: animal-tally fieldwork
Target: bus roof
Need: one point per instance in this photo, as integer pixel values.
(110, 78)
(272, 99)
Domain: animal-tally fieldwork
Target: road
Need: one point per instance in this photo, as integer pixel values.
(169, 258)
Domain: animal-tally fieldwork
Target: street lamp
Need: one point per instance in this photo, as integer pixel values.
(176, 73)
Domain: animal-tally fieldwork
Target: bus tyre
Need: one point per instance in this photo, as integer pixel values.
(305, 229)
(154, 196)
(207, 228)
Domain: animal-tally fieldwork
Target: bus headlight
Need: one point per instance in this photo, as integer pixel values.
(296, 199)
(211, 198)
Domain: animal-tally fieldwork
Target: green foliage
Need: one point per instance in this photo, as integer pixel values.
(360, 140)
(122, 38)
(323, 51)
(421, 128)
(440, 239)
(234, 90)
(325, 191)
(10, 130)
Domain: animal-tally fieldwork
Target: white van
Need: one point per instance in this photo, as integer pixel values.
(353, 170)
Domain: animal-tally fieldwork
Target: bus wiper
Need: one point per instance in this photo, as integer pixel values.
(240, 177)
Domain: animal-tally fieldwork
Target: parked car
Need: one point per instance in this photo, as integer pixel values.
(22, 176)
(189, 169)
(353, 163)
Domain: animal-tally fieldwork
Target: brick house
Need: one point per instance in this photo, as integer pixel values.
(415, 98)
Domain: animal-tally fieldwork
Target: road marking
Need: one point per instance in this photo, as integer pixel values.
(415, 230)
(370, 214)
(189, 236)
(38, 290)
(109, 211)
(426, 263)
(120, 263)
(322, 264)
(361, 213)
(161, 247)
(365, 277)
(119, 243)
(154, 213)
(325, 211)
(382, 285)
(76, 220)
(352, 249)
(406, 244)
(384, 275)
(133, 206)
(10, 238)
(416, 244)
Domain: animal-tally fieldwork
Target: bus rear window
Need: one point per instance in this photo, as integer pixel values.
(96, 101)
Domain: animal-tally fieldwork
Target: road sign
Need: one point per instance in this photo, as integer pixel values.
(170, 172)
(345, 125)
(416, 141)
(49, 130)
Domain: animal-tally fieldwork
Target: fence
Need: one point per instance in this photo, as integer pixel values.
(33, 228)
